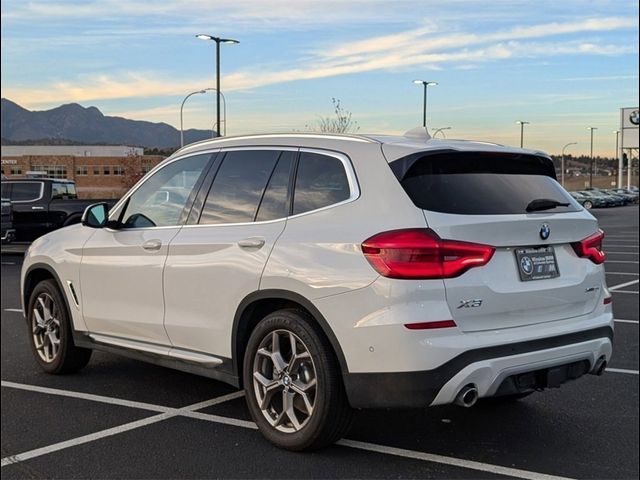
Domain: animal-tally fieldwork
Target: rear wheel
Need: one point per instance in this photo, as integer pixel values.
(588, 205)
(293, 383)
(50, 331)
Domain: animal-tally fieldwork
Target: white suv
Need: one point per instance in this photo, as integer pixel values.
(323, 273)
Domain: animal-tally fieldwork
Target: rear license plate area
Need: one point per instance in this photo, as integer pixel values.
(536, 263)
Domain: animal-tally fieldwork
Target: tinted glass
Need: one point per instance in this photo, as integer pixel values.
(320, 181)
(274, 202)
(480, 183)
(6, 190)
(63, 190)
(238, 186)
(22, 192)
(161, 198)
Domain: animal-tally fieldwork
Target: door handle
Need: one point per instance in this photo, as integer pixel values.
(252, 242)
(152, 245)
(37, 208)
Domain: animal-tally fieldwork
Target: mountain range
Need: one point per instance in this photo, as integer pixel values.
(73, 124)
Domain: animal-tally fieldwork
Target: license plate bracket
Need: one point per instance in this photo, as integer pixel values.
(536, 263)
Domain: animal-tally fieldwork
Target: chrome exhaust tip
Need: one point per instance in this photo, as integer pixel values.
(600, 366)
(467, 397)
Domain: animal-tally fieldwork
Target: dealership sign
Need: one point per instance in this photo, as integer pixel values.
(629, 120)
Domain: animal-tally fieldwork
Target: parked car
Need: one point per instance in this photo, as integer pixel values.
(619, 200)
(588, 202)
(40, 205)
(606, 199)
(623, 192)
(323, 273)
(8, 232)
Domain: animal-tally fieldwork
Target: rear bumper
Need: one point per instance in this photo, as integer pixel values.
(486, 368)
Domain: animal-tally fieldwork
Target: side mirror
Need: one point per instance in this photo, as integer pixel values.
(96, 215)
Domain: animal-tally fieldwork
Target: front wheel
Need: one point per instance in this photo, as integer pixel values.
(50, 331)
(293, 383)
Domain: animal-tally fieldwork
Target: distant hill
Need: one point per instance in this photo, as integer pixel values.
(75, 124)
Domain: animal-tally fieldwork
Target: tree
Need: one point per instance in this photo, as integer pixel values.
(340, 123)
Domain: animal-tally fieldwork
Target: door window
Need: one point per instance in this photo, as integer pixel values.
(160, 200)
(26, 191)
(275, 201)
(239, 185)
(321, 181)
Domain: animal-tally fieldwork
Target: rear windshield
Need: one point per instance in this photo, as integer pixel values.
(481, 183)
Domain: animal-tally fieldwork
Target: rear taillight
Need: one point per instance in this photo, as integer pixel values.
(591, 248)
(422, 254)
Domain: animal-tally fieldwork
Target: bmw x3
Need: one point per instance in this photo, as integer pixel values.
(327, 273)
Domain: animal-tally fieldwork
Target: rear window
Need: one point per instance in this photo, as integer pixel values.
(479, 183)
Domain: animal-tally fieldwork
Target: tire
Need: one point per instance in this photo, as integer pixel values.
(52, 324)
(325, 416)
(588, 205)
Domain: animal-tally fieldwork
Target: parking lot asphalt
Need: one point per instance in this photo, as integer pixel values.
(119, 418)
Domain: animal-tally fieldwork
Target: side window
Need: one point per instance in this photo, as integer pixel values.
(26, 191)
(6, 190)
(161, 198)
(238, 187)
(274, 202)
(320, 181)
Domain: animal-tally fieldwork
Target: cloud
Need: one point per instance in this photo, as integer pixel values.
(413, 48)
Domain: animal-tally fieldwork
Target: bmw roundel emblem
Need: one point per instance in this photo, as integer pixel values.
(526, 265)
(545, 231)
(634, 117)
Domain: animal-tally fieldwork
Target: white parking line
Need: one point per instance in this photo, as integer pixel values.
(619, 320)
(168, 412)
(622, 370)
(621, 273)
(8, 263)
(626, 284)
(456, 462)
(609, 252)
(632, 292)
(190, 412)
(16, 310)
(621, 261)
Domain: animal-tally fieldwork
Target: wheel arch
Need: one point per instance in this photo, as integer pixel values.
(257, 305)
(35, 274)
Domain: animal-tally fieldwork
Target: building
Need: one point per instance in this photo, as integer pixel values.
(100, 171)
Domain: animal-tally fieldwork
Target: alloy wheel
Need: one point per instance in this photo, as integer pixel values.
(45, 327)
(284, 381)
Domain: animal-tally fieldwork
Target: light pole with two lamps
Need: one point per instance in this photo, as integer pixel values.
(218, 41)
(425, 84)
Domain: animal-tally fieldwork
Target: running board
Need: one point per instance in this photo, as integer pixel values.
(188, 356)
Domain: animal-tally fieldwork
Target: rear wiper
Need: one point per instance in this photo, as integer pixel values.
(544, 204)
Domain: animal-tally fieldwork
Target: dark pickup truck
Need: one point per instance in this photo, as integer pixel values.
(40, 205)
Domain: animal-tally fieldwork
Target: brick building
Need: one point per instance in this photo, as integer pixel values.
(99, 171)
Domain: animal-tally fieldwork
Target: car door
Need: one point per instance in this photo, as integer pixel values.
(121, 268)
(29, 202)
(218, 257)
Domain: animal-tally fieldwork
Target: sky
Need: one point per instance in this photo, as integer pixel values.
(560, 65)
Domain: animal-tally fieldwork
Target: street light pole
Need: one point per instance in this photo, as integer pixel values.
(562, 161)
(522, 124)
(425, 84)
(591, 155)
(617, 156)
(218, 41)
(181, 108)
